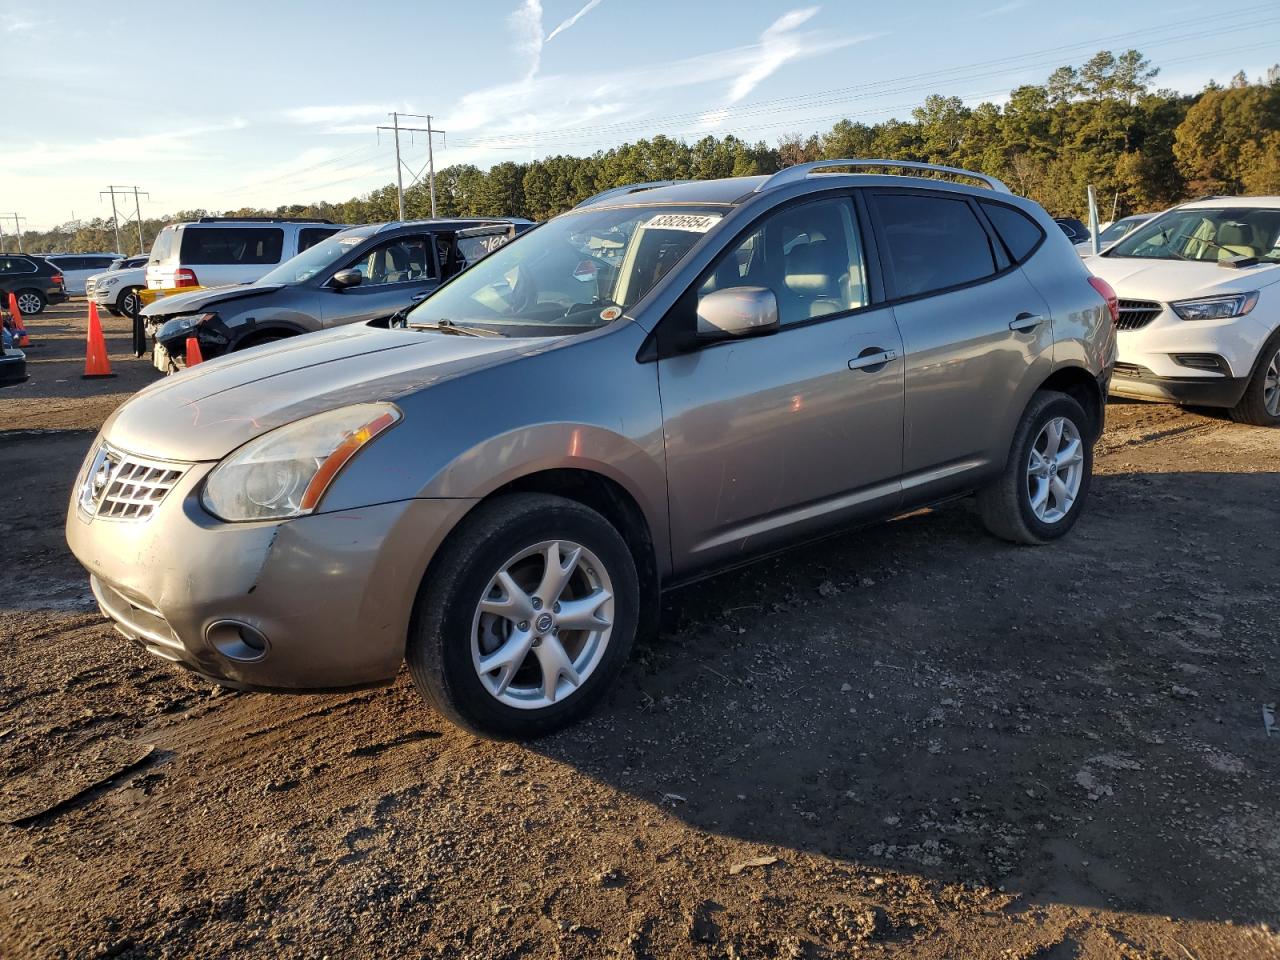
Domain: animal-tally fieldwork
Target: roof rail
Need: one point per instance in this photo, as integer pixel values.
(263, 220)
(624, 190)
(802, 170)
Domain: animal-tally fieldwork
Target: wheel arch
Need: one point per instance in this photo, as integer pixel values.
(1082, 386)
(270, 330)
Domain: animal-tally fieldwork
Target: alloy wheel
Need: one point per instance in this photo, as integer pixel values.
(1271, 386)
(129, 304)
(542, 625)
(28, 303)
(1055, 468)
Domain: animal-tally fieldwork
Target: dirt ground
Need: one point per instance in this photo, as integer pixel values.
(911, 741)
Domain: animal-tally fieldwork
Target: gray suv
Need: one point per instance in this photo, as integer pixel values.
(648, 389)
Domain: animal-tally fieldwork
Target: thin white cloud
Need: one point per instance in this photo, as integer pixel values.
(526, 24)
(1004, 8)
(11, 23)
(171, 144)
(591, 5)
(338, 112)
(538, 104)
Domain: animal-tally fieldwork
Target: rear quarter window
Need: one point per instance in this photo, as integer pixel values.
(932, 243)
(308, 237)
(163, 245)
(231, 245)
(1019, 233)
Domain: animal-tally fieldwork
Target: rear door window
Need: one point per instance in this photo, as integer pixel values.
(1020, 234)
(12, 265)
(931, 243)
(231, 245)
(98, 263)
(309, 236)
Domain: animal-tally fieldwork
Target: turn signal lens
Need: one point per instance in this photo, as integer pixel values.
(1109, 295)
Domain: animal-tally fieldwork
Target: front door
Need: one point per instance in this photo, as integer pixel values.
(775, 438)
(397, 274)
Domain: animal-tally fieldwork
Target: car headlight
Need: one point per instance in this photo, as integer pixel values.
(285, 473)
(1216, 308)
(107, 281)
(180, 326)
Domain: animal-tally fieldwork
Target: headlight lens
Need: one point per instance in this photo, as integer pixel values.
(286, 472)
(1216, 308)
(108, 281)
(180, 325)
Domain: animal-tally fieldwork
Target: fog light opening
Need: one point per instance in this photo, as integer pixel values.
(237, 641)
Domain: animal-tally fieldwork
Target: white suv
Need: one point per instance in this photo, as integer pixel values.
(216, 251)
(1199, 290)
(117, 289)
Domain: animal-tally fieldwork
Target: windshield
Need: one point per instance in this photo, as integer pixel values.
(314, 259)
(576, 272)
(1208, 235)
(1118, 230)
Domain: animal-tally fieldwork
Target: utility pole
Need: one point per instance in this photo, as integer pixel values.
(115, 220)
(400, 165)
(17, 226)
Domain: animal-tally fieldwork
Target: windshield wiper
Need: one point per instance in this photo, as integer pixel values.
(457, 329)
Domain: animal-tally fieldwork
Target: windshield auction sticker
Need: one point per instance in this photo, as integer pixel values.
(694, 223)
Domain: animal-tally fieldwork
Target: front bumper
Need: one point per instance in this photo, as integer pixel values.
(329, 595)
(1133, 380)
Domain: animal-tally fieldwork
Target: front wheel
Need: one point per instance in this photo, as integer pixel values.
(525, 617)
(1045, 482)
(129, 303)
(1260, 404)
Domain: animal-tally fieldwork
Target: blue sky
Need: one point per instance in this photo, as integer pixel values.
(274, 102)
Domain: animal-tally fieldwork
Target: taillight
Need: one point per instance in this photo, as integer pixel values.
(182, 277)
(1109, 295)
(57, 278)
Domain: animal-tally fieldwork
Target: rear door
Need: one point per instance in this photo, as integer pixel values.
(977, 335)
(775, 438)
(398, 272)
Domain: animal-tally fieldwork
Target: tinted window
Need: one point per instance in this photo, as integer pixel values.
(67, 263)
(97, 263)
(226, 245)
(309, 236)
(809, 256)
(932, 243)
(1018, 231)
(1208, 234)
(10, 265)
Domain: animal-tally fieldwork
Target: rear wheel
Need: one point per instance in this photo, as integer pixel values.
(1260, 404)
(525, 618)
(1046, 480)
(31, 302)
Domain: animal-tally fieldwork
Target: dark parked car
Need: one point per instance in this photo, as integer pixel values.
(34, 280)
(1076, 231)
(360, 274)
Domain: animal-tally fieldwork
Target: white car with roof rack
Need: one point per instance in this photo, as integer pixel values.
(1199, 290)
(216, 251)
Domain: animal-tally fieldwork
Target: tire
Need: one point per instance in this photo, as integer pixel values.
(1006, 505)
(113, 311)
(450, 631)
(1260, 405)
(31, 302)
(127, 303)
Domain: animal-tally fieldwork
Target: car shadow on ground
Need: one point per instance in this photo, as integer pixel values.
(1078, 723)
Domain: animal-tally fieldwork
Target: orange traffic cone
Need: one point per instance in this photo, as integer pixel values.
(96, 364)
(19, 327)
(193, 352)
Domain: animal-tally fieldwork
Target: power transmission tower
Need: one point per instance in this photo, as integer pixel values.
(401, 166)
(115, 220)
(17, 228)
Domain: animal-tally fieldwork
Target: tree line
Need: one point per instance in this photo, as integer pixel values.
(1102, 123)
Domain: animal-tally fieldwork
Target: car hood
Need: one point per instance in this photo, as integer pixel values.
(205, 412)
(1168, 280)
(197, 300)
(132, 275)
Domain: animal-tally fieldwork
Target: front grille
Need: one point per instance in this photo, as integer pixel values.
(120, 486)
(1128, 370)
(1136, 314)
(89, 286)
(139, 621)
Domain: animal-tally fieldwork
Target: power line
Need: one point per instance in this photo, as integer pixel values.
(115, 219)
(400, 164)
(17, 227)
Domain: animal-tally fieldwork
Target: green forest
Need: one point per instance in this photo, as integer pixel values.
(1104, 123)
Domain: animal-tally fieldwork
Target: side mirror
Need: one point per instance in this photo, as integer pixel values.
(737, 312)
(346, 278)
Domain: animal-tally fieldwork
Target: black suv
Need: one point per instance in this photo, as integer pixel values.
(34, 280)
(360, 274)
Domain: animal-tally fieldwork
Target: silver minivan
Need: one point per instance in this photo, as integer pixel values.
(661, 383)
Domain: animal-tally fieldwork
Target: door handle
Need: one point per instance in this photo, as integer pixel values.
(872, 357)
(419, 297)
(1026, 321)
